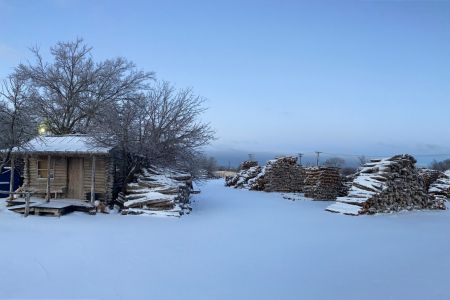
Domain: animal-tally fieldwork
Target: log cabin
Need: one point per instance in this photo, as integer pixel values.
(67, 166)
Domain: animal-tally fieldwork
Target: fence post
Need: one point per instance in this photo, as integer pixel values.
(27, 204)
(11, 179)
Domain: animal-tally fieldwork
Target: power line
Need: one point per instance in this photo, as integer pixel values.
(375, 156)
(317, 159)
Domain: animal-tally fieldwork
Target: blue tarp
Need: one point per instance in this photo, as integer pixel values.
(4, 181)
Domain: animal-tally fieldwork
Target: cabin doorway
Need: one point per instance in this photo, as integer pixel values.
(75, 178)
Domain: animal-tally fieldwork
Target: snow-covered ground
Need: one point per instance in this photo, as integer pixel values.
(236, 244)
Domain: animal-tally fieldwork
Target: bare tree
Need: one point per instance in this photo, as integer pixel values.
(161, 127)
(335, 162)
(72, 88)
(362, 160)
(171, 131)
(440, 165)
(17, 123)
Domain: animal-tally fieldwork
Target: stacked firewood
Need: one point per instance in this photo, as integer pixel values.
(387, 185)
(248, 164)
(323, 183)
(441, 186)
(157, 191)
(247, 171)
(429, 176)
(278, 175)
(282, 174)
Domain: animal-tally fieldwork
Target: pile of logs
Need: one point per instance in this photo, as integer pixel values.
(440, 188)
(323, 183)
(248, 164)
(387, 185)
(429, 176)
(247, 171)
(157, 191)
(283, 174)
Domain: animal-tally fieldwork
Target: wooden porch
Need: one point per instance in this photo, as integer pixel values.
(57, 207)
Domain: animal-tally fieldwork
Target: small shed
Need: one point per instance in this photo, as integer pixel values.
(67, 166)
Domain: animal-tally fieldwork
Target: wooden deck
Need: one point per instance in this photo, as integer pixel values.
(56, 207)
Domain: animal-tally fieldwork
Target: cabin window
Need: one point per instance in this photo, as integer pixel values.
(42, 169)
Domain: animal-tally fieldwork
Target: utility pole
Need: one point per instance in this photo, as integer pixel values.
(317, 158)
(300, 158)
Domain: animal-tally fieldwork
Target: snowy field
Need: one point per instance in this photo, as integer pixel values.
(236, 244)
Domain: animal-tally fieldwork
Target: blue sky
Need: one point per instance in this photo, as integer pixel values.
(346, 77)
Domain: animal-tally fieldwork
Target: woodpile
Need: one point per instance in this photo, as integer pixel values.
(248, 164)
(282, 174)
(429, 176)
(441, 187)
(246, 172)
(278, 175)
(387, 185)
(323, 183)
(158, 191)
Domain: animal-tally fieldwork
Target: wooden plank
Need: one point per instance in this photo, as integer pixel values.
(47, 196)
(11, 178)
(27, 204)
(93, 180)
(75, 178)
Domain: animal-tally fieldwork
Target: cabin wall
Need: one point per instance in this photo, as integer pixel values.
(59, 183)
(100, 175)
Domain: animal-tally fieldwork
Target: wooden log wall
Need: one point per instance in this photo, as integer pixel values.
(100, 175)
(104, 177)
(33, 182)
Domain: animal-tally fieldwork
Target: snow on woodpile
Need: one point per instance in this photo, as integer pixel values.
(158, 191)
(387, 185)
(323, 183)
(441, 187)
(282, 174)
(429, 176)
(247, 170)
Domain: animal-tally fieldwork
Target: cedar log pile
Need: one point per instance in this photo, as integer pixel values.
(157, 191)
(323, 183)
(387, 185)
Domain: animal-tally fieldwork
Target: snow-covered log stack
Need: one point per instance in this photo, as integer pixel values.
(387, 185)
(429, 176)
(441, 187)
(248, 164)
(282, 174)
(278, 175)
(158, 191)
(323, 183)
(247, 171)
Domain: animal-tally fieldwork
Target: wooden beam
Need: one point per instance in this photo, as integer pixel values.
(47, 196)
(11, 178)
(27, 171)
(93, 180)
(27, 204)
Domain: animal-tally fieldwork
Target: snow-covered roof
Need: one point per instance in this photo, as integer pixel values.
(62, 144)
